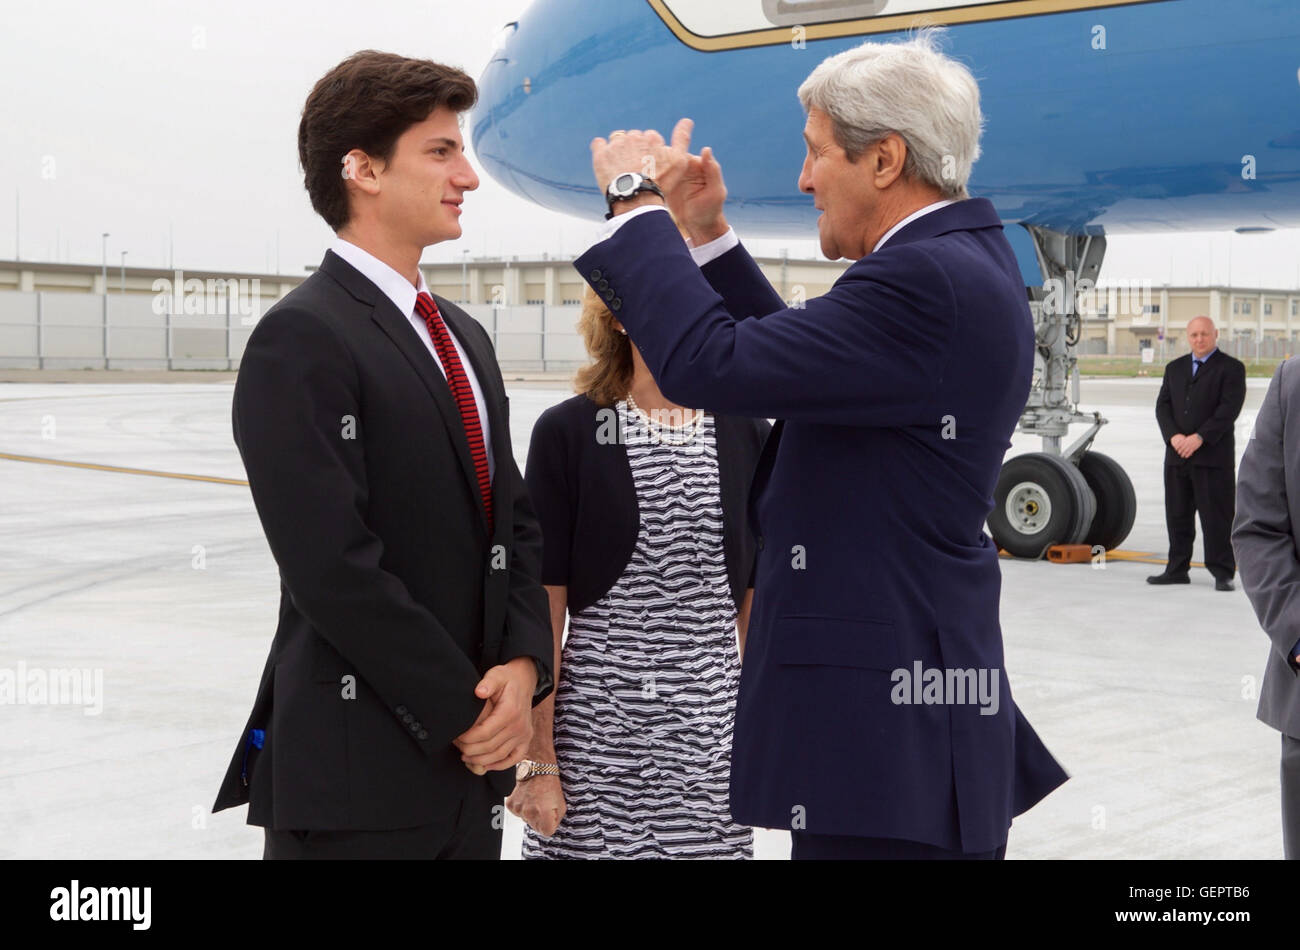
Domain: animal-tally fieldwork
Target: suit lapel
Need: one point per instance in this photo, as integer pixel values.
(483, 361)
(397, 326)
(399, 330)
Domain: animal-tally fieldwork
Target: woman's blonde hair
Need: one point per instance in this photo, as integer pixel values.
(607, 378)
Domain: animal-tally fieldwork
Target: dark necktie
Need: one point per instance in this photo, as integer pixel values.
(461, 391)
(1196, 365)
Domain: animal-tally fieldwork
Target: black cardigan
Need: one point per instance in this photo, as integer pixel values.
(582, 490)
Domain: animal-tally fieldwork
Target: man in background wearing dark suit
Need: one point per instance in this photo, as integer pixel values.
(372, 420)
(1197, 408)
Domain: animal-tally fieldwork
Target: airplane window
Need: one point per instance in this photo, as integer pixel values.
(730, 24)
(803, 12)
(727, 17)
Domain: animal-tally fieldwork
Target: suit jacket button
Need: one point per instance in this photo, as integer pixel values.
(415, 727)
(607, 294)
(422, 734)
(401, 710)
(595, 275)
(408, 718)
(760, 542)
(616, 303)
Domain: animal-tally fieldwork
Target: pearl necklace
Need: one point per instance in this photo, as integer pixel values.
(659, 429)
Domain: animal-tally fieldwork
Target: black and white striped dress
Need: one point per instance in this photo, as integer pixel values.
(646, 699)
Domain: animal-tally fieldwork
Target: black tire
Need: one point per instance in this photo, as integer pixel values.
(1116, 500)
(1037, 503)
(1087, 505)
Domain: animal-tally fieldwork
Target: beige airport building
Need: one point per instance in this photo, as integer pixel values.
(73, 315)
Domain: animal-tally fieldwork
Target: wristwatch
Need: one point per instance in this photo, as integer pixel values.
(527, 768)
(626, 186)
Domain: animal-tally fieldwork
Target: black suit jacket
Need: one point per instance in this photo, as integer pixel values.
(1207, 405)
(394, 600)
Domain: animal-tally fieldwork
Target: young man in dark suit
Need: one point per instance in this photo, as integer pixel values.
(1197, 408)
(372, 420)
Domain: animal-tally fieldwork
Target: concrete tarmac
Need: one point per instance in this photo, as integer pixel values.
(166, 587)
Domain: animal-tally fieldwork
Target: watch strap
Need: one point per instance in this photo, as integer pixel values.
(646, 184)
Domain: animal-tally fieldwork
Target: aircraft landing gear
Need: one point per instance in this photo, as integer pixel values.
(1041, 500)
(1075, 496)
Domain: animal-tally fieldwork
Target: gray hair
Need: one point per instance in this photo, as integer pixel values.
(911, 88)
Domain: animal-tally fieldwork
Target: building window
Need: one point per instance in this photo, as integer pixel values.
(534, 302)
(1236, 306)
(1151, 308)
(1268, 310)
(1245, 307)
(570, 302)
(1295, 307)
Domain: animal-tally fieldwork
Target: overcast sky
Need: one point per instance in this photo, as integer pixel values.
(138, 117)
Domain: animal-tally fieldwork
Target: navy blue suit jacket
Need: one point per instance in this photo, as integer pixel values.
(896, 394)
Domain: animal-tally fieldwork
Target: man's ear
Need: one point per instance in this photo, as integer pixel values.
(889, 155)
(362, 171)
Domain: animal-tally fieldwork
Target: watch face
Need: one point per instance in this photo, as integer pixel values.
(624, 183)
(522, 770)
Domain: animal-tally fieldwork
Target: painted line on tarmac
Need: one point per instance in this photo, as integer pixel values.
(121, 470)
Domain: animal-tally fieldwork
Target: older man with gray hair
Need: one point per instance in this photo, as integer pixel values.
(874, 717)
(1197, 408)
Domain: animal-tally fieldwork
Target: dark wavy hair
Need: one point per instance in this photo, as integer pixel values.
(366, 102)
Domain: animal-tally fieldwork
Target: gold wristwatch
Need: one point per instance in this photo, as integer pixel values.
(527, 768)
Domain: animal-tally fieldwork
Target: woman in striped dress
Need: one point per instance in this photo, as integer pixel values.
(642, 508)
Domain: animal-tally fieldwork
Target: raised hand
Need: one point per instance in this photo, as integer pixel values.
(692, 184)
(695, 193)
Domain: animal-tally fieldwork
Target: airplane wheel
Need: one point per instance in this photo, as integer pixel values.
(1040, 500)
(1087, 504)
(1116, 500)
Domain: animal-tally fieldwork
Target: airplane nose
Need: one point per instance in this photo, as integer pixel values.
(490, 111)
(524, 131)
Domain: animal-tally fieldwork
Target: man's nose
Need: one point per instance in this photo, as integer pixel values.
(805, 180)
(467, 178)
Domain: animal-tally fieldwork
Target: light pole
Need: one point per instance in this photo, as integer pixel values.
(103, 276)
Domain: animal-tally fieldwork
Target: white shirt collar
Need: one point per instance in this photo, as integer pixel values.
(395, 287)
(910, 218)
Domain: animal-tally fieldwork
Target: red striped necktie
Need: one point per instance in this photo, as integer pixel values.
(461, 391)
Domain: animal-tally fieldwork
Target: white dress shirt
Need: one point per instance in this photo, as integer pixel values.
(721, 245)
(909, 219)
(402, 293)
